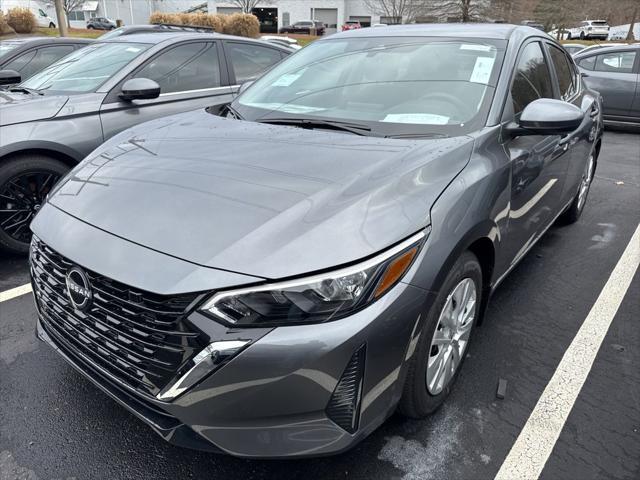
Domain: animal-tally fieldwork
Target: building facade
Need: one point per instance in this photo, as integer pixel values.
(333, 13)
(129, 11)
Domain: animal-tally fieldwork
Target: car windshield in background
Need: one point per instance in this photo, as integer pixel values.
(85, 69)
(113, 34)
(396, 86)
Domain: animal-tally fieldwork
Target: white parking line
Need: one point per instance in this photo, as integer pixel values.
(14, 292)
(537, 439)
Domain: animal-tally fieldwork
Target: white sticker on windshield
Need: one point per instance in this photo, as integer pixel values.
(476, 47)
(287, 79)
(482, 70)
(133, 49)
(423, 118)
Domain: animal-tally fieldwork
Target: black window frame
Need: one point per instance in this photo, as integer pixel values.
(508, 114)
(232, 74)
(575, 73)
(114, 94)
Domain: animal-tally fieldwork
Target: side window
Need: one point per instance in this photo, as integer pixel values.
(564, 71)
(251, 60)
(617, 62)
(532, 80)
(21, 62)
(587, 63)
(188, 67)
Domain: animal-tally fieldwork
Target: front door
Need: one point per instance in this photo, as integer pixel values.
(190, 77)
(538, 162)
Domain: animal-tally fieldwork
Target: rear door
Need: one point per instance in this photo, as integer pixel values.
(612, 74)
(539, 163)
(246, 61)
(191, 75)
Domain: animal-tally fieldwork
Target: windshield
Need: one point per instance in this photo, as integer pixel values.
(85, 69)
(113, 33)
(394, 85)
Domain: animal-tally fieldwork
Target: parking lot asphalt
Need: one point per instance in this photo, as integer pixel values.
(55, 424)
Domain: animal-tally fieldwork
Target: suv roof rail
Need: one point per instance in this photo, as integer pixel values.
(179, 26)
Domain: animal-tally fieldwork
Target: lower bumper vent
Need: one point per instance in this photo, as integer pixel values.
(344, 404)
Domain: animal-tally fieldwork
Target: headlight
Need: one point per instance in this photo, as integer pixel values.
(318, 298)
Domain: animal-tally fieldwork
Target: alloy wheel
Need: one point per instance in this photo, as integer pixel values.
(20, 199)
(451, 335)
(585, 183)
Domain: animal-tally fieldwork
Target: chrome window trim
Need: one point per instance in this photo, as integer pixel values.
(199, 90)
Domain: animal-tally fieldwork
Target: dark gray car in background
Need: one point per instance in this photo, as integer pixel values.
(29, 55)
(275, 280)
(54, 119)
(615, 73)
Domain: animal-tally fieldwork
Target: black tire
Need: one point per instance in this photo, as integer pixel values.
(112, 27)
(90, 27)
(574, 211)
(30, 165)
(417, 401)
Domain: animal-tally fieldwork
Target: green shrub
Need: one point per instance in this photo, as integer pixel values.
(22, 20)
(242, 25)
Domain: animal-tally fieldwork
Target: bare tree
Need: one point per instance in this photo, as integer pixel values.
(461, 10)
(511, 11)
(69, 6)
(247, 6)
(399, 10)
(632, 24)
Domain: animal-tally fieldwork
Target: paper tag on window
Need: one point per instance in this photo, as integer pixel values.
(286, 79)
(482, 70)
(422, 118)
(476, 47)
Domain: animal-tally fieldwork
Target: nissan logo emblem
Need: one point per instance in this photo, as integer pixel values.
(78, 288)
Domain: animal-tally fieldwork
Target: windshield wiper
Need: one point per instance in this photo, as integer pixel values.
(418, 135)
(25, 90)
(355, 128)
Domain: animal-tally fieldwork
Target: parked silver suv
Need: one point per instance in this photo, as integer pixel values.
(54, 119)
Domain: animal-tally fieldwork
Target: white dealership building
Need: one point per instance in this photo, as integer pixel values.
(333, 13)
(273, 14)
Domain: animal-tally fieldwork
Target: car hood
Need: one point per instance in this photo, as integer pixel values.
(16, 107)
(264, 200)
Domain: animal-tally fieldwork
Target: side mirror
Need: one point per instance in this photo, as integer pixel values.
(547, 116)
(244, 86)
(9, 77)
(139, 89)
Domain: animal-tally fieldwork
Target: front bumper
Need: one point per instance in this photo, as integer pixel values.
(270, 400)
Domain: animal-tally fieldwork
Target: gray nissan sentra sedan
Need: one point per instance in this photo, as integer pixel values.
(277, 277)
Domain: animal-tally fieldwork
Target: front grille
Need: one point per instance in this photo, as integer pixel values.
(140, 338)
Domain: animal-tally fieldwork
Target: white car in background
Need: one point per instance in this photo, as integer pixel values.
(280, 40)
(591, 29)
(42, 18)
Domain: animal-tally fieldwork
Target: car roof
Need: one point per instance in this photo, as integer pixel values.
(494, 31)
(607, 48)
(172, 37)
(34, 41)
